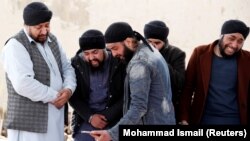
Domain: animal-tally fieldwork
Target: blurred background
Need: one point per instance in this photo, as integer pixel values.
(191, 22)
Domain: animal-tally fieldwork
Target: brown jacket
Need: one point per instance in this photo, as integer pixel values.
(197, 83)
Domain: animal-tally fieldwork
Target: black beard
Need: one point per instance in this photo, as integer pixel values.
(96, 68)
(128, 54)
(222, 52)
(36, 39)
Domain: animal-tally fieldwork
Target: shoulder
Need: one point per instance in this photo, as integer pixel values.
(173, 50)
(14, 45)
(245, 53)
(75, 60)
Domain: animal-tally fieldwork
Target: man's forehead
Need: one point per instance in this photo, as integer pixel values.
(237, 35)
(91, 50)
(111, 45)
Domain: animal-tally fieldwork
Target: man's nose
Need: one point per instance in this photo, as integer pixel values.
(114, 54)
(235, 44)
(44, 30)
(91, 57)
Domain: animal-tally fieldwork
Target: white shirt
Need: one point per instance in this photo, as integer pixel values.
(19, 68)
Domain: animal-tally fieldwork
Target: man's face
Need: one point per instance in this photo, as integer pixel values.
(158, 44)
(121, 50)
(94, 57)
(230, 44)
(39, 32)
(131, 43)
(117, 49)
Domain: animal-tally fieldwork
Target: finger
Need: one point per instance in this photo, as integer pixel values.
(95, 136)
(102, 122)
(60, 97)
(103, 117)
(102, 125)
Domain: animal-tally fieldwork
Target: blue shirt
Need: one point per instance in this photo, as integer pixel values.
(222, 105)
(99, 86)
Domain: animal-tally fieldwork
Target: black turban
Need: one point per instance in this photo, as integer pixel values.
(92, 39)
(36, 13)
(235, 26)
(156, 30)
(118, 32)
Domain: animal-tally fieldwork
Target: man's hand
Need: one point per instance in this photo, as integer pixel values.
(183, 122)
(101, 135)
(98, 121)
(62, 97)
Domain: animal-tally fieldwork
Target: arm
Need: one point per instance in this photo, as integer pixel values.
(176, 65)
(69, 77)
(189, 87)
(114, 111)
(139, 82)
(19, 68)
(69, 80)
(78, 100)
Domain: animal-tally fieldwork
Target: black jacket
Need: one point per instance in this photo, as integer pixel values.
(79, 99)
(175, 59)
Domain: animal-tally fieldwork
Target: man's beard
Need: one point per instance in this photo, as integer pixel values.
(222, 50)
(37, 38)
(128, 54)
(41, 41)
(96, 68)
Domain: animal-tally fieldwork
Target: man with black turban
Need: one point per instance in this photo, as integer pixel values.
(40, 79)
(156, 32)
(147, 90)
(98, 98)
(217, 86)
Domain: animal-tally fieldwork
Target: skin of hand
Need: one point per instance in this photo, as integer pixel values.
(98, 121)
(183, 122)
(62, 97)
(101, 135)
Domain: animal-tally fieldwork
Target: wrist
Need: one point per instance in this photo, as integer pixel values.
(69, 92)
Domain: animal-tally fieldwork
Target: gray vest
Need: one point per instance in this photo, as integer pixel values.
(22, 113)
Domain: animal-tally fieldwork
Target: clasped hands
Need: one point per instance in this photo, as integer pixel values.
(62, 98)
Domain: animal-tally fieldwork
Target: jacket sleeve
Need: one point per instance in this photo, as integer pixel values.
(76, 101)
(114, 112)
(189, 87)
(176, 67)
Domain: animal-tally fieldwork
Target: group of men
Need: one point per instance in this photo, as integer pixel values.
(121, 78)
